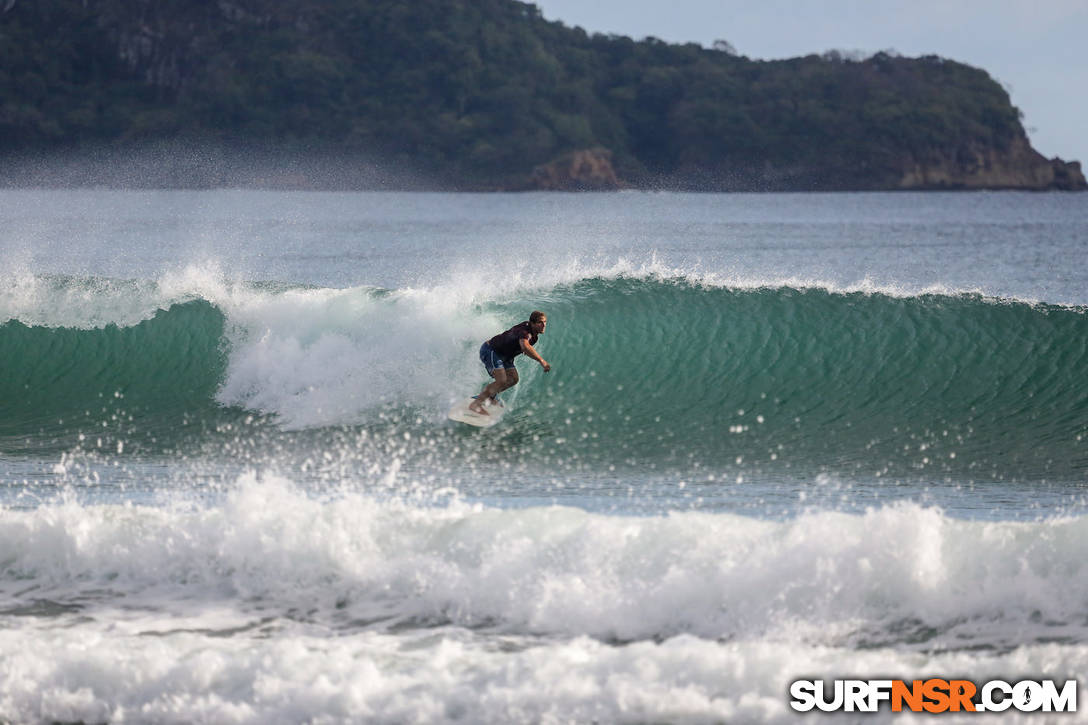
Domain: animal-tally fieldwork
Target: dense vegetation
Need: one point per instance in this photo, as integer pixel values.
(474, 93)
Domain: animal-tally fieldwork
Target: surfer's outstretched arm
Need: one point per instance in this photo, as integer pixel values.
(530, 352)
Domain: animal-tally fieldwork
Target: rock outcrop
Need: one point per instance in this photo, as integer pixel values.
(1068, 175)
(1018, 167)
(584, 170)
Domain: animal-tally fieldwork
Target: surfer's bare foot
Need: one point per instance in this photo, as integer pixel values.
(477, 407)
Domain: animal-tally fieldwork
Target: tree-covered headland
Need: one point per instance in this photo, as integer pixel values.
(473, 94)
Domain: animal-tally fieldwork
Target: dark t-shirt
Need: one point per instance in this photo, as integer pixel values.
(508, 344)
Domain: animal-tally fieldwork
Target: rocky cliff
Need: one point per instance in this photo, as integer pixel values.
(1017, 167)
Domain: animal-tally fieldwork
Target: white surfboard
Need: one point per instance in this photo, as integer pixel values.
(462, 414)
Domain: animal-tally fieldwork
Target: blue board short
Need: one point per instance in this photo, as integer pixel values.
(492, 359)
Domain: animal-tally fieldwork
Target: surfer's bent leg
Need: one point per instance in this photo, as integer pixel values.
(511, 379)
(492, 363)
(493, 388)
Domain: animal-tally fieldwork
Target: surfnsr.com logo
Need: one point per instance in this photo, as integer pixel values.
(934, 695)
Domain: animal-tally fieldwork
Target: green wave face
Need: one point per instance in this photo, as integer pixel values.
(669, 372)
(146, 380)
(648, 374)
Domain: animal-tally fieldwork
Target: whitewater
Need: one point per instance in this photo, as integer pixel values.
(785, 436)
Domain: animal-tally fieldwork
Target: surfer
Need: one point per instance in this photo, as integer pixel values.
(498, 353)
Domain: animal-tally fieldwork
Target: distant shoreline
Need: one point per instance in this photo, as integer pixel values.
(182, 167)
(517, 192)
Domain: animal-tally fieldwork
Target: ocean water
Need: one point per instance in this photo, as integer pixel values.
(785, 435)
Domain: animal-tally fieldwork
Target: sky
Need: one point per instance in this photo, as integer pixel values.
(1035, 48)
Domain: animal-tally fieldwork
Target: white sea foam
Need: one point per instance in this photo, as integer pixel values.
(276, 607)
(450, 675)
(322, 356)
(900, 573)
